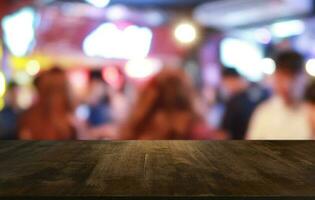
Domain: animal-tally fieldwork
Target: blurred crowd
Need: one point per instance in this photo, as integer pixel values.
(167, 106)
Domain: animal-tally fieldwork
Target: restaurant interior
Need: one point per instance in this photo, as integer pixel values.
(113, 51)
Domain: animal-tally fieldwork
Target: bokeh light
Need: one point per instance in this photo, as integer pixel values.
(185, 33)
(19, 31)
(288, 28)
(2, 84)
(22, 78)
(33, 67)
(24, 97)
(112, 76)
(268, 66)
(142, 68)
(2, 103)
(263, 35)
(130, 43)
(98, 3)
(78, 79)
(310, 67)
(244, 56)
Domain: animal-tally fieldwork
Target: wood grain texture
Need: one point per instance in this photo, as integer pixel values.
(157, 168)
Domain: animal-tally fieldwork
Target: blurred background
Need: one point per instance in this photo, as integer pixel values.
(111, 54)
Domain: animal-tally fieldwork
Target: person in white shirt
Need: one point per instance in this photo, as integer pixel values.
(310, 102)
(284, 116)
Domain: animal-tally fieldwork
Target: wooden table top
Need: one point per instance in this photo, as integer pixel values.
(157, 168)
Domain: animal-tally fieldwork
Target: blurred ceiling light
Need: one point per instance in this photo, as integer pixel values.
(185, 33)
(98, 3)
(227, 14)
(244, 56)
(32, 67)
(310, 67)
(263, 36)
(288, 28)
(142, 68)
(18, 30)
(117, 12)
(108, 41)
(2, 84)
(268, 66)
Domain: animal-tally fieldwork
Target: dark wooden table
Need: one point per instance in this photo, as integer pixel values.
(193, 169)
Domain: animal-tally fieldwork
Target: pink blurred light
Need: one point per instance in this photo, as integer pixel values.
(78, 79)
(112, 76)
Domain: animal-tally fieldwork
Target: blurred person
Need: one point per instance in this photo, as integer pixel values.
(99, 101)
(106, 115)
(310, 100)
(243, 98)
(165, 109)
(284, 116)
(9, 114)
(118, 95)
(51, 117)
(213, 109)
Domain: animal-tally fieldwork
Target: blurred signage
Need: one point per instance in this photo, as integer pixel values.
(236, 13)
(109, 41)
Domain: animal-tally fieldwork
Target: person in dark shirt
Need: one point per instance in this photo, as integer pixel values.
(243, 98)
(9, 114)
(99, 102)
